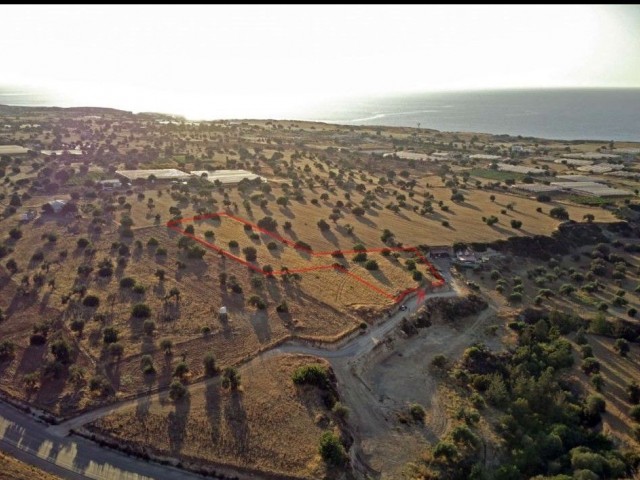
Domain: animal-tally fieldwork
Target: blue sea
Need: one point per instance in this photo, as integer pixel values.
(568, 114)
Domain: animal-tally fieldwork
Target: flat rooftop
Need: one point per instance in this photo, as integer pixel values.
(592, 189)
(227, 177)
(160, 174)
(507, 167)
(578, 178)
(600, 168)
(408, 155)
(536, 187)
(574, 161)
(483, 156)
(60, 152)
(591, 156)
(12, 149)
(576, 184)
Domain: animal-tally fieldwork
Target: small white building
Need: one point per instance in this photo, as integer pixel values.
(110, 184)
(57, 205)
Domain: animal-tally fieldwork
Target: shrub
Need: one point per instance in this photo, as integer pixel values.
(149, 327)
(110, 335)
(559, 212)
(181, 370)
(633, 392)
(311, 375)
(590, 365)
(331, 450)
(272, 246)
(139, 289)
(463, 434)
(283, 307)
(250, 253)
(417, 412)
(340, 411)
(127, 282)
(7, 349)
(257, 302)
(516, 224)
(371, 265)
(233, 244)
(621, 346)
(360, 257)
(166, 345)
(597, 381)
(515, 297)
(61, 351)
(446, 450)
(91, 301)
(141, 310)
(230, 378)
(439, 361)
(177, 390)
(146, 363)
(77, 325)
(82, 243)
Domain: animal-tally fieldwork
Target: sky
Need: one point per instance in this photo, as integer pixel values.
(252, 61)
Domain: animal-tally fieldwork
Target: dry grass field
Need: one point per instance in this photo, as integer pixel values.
(270, 425)
(12, 469)
(618, 372)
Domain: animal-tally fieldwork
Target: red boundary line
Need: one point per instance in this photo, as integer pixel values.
(175, 225)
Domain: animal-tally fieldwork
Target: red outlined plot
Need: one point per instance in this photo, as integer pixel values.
(438, 282)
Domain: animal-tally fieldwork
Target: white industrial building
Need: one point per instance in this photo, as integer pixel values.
(227, 177)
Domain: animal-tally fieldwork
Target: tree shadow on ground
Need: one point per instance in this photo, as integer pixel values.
(236, 417)
(177, 424)
(213, 409)
(260, 323)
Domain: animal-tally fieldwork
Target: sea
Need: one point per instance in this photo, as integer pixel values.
(563, 114)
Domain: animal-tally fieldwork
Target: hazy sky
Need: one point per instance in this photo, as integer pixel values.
(267, 59)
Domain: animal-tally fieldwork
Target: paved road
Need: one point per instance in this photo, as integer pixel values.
(73, 457)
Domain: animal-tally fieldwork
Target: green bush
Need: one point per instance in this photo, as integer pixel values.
(127, 282)
(371, 265)
(417, 412)
(230, 378)
(141, 310)
(177, 390)
(181, 370)
(331, 449)
(312, 375)
(149, 327)
(7, 349)
(91, 301)
(209, 362)
(360, 257)
(146, 363)
(109, 335)
(446, 450)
